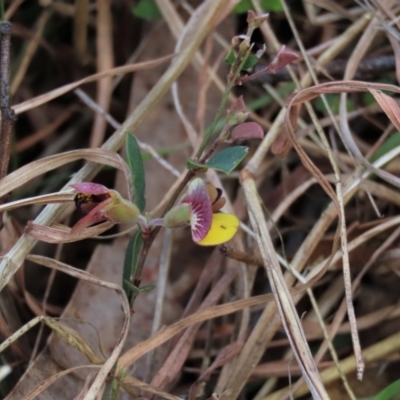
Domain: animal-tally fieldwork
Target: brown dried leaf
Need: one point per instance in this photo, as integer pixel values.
(389, 106)
(62, 233)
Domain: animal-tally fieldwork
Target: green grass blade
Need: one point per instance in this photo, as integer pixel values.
(135, 163)
(392, 392)
(130, 262)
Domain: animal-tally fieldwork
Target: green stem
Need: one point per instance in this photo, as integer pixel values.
(210, 130)
(112, 387)
(148, 239)
(232, 82)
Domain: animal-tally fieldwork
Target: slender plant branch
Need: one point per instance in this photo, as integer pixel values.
(150, 235)
(7, 114)
(235, 72)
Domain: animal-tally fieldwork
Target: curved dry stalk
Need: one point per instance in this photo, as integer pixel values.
(43, 199)
(283, 299)
(36, 168)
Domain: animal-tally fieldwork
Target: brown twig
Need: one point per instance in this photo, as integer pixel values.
(240, 255)
(368, 67)
(7, 113)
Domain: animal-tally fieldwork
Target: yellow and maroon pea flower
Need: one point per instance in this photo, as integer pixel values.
(198, 208)
(102, 204)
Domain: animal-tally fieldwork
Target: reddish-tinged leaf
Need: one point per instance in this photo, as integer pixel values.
(247, 130)
(283, 58)
(93, 217)
(389, 106)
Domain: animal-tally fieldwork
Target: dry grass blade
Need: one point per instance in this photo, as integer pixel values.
(44, 199)
(389, 106)
(45, 98)
(74, 339)
(44, 385)
(286, 308)
(40, 167)
(80, 29)
(64, 234)
(131, 382)
(105, 61)
(69, 334)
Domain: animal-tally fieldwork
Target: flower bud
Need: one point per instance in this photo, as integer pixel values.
(121, 211)
(178, 216)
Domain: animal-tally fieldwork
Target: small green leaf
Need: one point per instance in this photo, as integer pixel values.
(134, 289)
(271, 5)
(267, 5)
(227, 160)
(391, 392)
(250, 62)
(191, 164)
(147, 288)
(230, 58)
(391, 143)
(130, 262)
(147, 9)
(242, 7)
(135, 163)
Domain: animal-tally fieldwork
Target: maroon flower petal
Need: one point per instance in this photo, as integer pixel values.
(200, 204)
(90, 188)
(94, 216)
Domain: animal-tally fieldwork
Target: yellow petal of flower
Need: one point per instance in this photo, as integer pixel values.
(223, 228)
